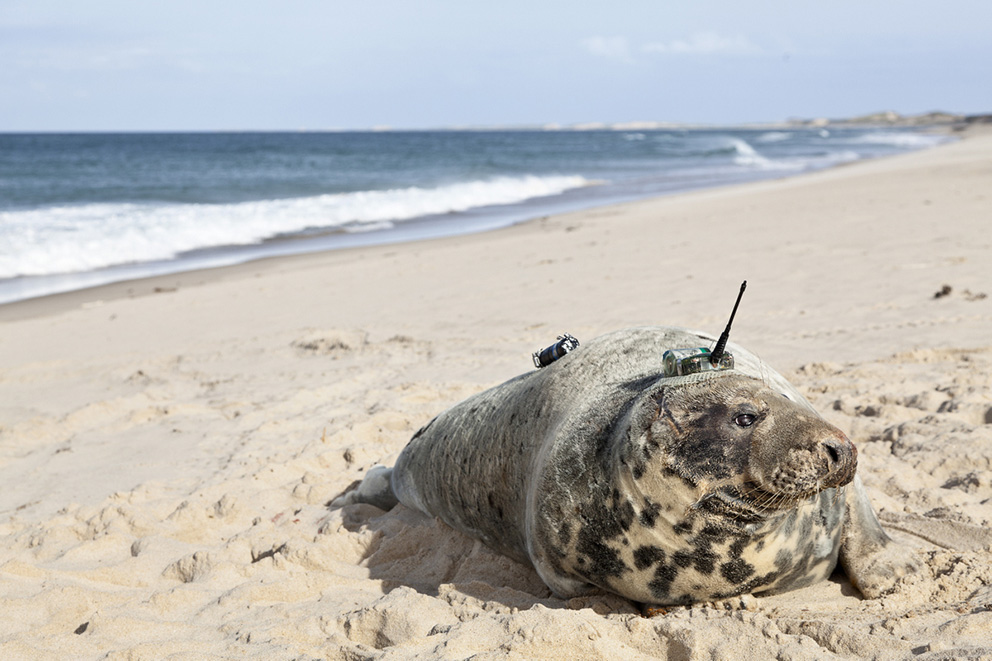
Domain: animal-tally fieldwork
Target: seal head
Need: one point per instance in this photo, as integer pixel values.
(734, 433)
(713, 490)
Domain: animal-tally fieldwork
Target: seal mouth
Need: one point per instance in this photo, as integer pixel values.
(756, 497)
(751, 503)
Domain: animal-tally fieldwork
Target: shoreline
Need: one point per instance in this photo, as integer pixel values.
(166, 282)
(596, 193)
(170, 455)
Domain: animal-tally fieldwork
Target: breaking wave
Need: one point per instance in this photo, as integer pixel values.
(83, 237)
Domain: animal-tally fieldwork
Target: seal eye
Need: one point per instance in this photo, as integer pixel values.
(744, 420)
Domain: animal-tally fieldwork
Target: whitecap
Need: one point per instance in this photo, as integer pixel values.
(905, 140)
(774, 136)
(748, 156)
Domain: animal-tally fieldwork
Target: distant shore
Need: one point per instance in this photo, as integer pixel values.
(938, 120)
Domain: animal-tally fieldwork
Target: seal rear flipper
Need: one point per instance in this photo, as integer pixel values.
(873, 561)
(562, 586)
(375, 489)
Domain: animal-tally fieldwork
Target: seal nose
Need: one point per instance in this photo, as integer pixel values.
(841, 459)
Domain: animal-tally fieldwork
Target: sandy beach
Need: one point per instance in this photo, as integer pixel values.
(169, 447)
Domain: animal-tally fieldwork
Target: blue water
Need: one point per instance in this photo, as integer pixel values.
(83, 209)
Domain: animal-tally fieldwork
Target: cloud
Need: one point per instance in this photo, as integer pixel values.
(699, 43)
(704, 43)
(613, 48)
(80, 58)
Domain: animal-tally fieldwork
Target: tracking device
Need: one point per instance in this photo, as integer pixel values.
(550, 354)
(680, 362)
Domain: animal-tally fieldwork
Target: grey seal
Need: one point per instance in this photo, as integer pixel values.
(600, 471)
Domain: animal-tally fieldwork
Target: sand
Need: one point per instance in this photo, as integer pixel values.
(168, 447)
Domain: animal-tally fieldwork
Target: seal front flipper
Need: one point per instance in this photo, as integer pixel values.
(873, 561)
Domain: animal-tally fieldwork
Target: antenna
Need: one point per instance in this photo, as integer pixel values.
(721, 344)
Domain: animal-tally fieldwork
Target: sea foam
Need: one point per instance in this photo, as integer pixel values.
(906, 140)
(72, 238)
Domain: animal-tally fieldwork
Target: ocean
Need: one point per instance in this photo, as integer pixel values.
(78, 210)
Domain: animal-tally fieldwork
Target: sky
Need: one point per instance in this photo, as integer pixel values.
(160, 65)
